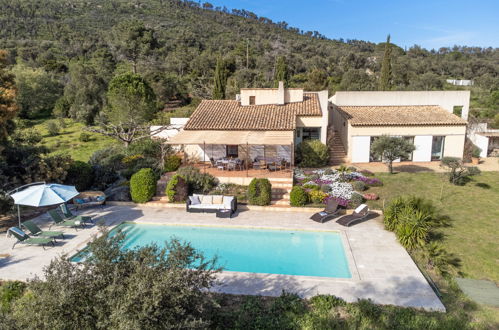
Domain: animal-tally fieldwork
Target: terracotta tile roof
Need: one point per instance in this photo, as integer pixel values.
(413, 115)
(230, 115)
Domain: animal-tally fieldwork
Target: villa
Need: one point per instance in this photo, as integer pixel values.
(426, 119)
(260, 124)
(267, 123)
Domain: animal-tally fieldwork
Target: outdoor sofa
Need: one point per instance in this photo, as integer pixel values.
(211, 203)
(89, 198)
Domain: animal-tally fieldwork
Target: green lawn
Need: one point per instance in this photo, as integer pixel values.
(472, 236)
(67, 141)
(473, 208)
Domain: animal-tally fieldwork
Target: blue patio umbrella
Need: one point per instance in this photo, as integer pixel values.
(42, 194)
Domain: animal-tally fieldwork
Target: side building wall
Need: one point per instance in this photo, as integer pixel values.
(359, 140)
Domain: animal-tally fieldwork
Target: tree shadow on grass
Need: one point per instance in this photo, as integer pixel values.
(482, 185)
(412, 168)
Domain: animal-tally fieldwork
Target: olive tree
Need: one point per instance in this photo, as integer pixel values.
(391, 148)
(150, 287)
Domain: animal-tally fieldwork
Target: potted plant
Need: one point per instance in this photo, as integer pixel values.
(475, 155)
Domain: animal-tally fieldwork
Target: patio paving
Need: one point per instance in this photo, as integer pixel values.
(382, 270)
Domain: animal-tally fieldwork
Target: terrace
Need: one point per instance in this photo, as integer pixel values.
(381, 269)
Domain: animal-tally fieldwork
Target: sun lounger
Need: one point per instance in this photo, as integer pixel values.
(36, 231)
(24, 238)
(68, 215)
(360, 213)
(59, 221)
(331, 211)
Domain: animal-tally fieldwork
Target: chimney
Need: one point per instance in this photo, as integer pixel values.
(281, 93)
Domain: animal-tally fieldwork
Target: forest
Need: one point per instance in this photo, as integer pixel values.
(64, 53)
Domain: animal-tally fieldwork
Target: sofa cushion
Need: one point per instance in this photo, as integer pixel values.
(227, 201)
(194, 200)
(206, 200)
(217, 199)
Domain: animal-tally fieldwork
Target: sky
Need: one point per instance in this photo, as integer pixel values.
(430, 24)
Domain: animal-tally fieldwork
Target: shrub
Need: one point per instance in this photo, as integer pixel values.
(259, 192)
(356, 200)
(359, 186)
(52, 128)
(458, 173)
(325, 188)
(143, 185)
(351, 169)
(177, 189)
(311, 186)
(475, 152)
(412, 219)
(6, 202)
(10, 291)
(80, 174)
(312, 153)
(317, 196)
(172, 163)
(198, 182)
(84, 137)
(298, 196)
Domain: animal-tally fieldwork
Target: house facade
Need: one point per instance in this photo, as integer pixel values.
(426, 119)
(261, 123)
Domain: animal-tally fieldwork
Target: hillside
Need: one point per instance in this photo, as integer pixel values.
(81, 44)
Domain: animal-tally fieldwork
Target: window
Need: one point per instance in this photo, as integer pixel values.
(372, 156)
(437, 147)
(232, 151)
(458, 110)
(252, 100)
(411, 140)
(311, 133)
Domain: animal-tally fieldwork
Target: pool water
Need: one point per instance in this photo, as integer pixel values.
(271, 251)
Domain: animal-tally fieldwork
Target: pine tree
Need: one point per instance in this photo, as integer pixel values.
(386, 68)
(220, 80)
(8, 106)
(281, 72)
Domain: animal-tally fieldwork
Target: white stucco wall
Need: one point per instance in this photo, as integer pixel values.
(360, 149)
(423, 148)
(481, 142)
(176, 124)
(445, 99)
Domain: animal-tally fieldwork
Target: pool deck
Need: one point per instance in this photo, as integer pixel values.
(381, 269)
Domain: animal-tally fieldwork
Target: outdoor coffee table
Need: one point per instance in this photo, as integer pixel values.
(224, 213)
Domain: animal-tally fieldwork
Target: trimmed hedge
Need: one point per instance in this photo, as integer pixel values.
(259, 192)
(177, 189)
(172, 163)
(298, 196)
(81, 175)
(143, 185)
(312, 153)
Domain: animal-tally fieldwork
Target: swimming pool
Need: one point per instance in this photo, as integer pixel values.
(271, 251)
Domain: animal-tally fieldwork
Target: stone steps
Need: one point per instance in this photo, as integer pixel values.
(337, 154)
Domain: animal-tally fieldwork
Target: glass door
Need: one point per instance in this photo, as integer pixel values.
(437, 147)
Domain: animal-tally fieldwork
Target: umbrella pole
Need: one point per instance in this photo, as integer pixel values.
(19, 215)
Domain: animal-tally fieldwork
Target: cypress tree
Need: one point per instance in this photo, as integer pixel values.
(281, 72)
(386, 68)
(220, 80)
